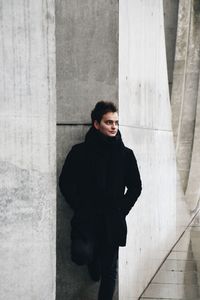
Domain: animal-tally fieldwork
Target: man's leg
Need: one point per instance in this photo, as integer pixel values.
(94, 268)
(81, 251)
(109, 261)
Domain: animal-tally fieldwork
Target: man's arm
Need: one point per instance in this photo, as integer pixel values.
(67, 180)
(133, 184)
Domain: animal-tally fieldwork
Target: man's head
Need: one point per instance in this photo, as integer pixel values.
(105, 118)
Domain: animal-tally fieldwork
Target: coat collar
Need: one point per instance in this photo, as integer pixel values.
(96, 139)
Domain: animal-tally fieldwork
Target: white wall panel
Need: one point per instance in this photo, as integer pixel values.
(160, 215)
(144, 102)
(152, 221)
(27, 150)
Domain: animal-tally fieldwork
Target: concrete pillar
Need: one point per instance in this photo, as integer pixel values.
(186, 100)
(145, 119)
(87, 71)
(170, 8)
(27, 150)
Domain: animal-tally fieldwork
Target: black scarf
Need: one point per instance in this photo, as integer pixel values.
(97, 139)
(105, 157)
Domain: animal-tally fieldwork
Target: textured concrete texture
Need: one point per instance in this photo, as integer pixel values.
(186, 100)
(87, 63)
(87, 56)
(145, 117)
(27, 150)
(139, 76)
(152, 222)
(87, 71)
(170, 8)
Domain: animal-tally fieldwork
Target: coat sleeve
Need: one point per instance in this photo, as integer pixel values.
(67, 180)
(133, 184)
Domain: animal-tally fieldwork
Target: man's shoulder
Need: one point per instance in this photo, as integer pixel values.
(128, 151)
(76, 152)
(78, 147)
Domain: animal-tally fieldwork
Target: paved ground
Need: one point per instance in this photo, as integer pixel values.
(179, 276)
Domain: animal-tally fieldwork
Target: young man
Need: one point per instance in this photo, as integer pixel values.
(93, 181)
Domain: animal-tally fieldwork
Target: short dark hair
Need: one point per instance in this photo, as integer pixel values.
(101, 108)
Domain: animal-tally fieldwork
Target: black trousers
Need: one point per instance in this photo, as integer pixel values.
(97, 250)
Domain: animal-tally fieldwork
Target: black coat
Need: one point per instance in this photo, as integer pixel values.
(93, 181)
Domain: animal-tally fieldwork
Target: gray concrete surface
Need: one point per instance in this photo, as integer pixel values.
(27, 150)
(170, 8)
(87, 71)
(185, 100)
(145, 118)
(87, 56)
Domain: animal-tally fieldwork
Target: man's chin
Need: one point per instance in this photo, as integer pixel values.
(112, 134)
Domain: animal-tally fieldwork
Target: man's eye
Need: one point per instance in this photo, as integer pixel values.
(111, 122)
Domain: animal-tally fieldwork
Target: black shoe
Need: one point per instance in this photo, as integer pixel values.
(94, 270)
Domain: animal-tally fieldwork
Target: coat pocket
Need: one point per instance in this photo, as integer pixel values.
(116, 228)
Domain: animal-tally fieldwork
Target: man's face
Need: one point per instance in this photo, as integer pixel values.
(109, 124)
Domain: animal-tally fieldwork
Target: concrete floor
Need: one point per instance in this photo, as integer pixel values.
(179, 275)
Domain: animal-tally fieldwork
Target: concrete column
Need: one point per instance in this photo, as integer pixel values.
(145, 119)
(186, 100)
(27, 150)
(170, 8)
(87, 71)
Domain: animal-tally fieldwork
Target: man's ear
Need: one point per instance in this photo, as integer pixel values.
(96, 124)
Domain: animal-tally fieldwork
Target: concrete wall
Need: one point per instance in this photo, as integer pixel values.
(170, 9)
(186, 100)
(27, 150)
(181, 200)
(161, 213)
(87, 71)
(87, 51)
